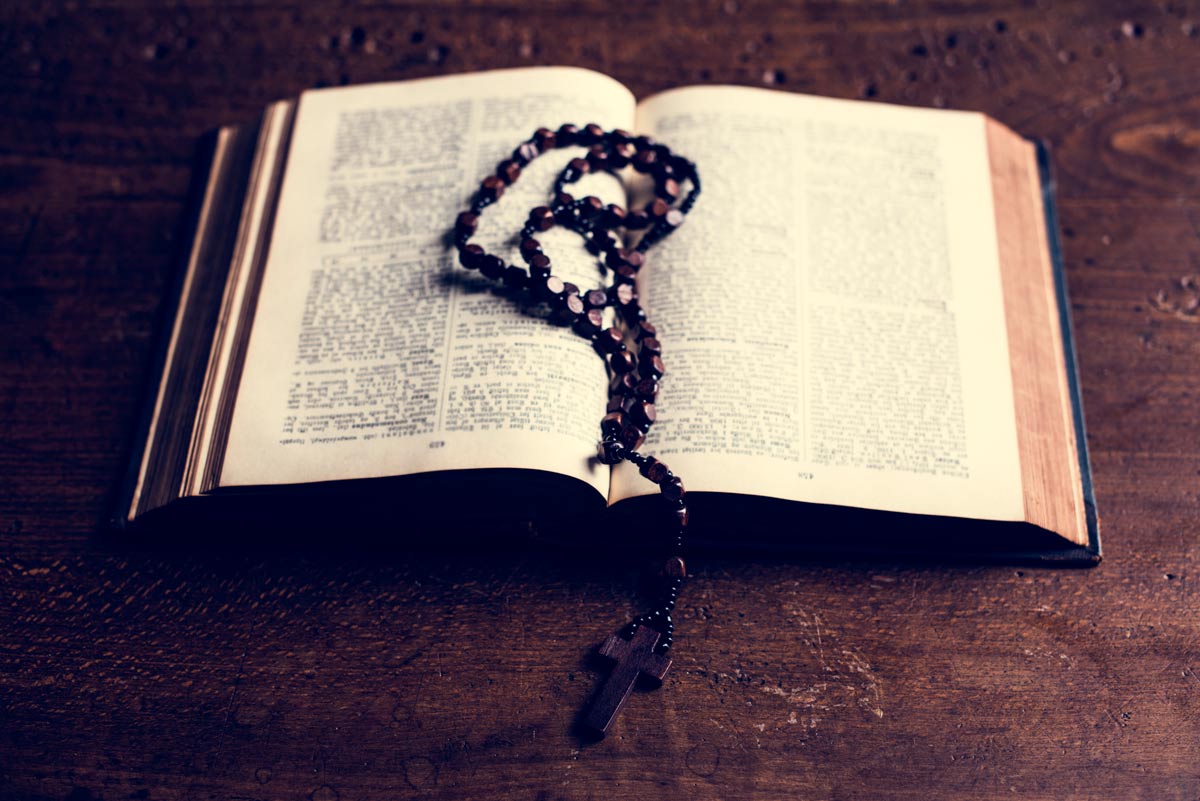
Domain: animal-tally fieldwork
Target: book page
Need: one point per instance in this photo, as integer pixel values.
(372, 352)
(831, 312)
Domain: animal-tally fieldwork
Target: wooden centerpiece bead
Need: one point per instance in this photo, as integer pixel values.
(633, 386)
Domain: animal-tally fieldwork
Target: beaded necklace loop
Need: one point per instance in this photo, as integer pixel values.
(634, 380)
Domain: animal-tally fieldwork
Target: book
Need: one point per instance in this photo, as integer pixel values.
(864, 319)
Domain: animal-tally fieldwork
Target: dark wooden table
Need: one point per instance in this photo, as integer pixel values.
(175, 670)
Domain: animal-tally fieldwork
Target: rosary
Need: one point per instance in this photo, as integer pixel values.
(641, 648)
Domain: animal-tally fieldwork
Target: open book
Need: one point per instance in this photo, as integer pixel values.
(865, 330)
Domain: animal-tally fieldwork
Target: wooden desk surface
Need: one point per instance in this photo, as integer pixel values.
(198, 672)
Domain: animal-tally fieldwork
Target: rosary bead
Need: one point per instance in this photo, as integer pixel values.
(622, 385)
(610, 452)
(548, 288)
(539, 266)
(529, 248)
(492, 187)
(622, 362)
(612, 423)
(597, 158)
(614, 216)
(610, 340)
(492, 266)
(545, 139)
(595, 299)
(675, 568)
(636, 220)
(674, 218)
(576, 168)
(623, 295)
(668, 190)
(589, 323)
(645, 330)
(466, 223)
(616, 403)
(649, 347)
(620, 154)
(643, 414)
(645, 160)
(658, 472)
(625, 275)
(591, 207)
(644, 142)
(652, 367)
(658, 209)
(509, 171)
(672, 489)
(620, 136)
(567, 134)
(631, 437)
(646, 389)
(591, 134)
(600, 241)
(568, 308)
(541, 218)
(471, 257)
(681, 516)
(526, 153)
(515, 277)
(647, 464)
(569, 288)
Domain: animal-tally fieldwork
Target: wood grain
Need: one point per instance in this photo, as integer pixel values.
(346, 669)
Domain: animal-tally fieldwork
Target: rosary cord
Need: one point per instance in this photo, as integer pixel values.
(633, 384)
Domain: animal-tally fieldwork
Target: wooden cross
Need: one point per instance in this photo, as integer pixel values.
(635, 658)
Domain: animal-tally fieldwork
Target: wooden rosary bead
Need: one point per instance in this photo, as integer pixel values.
(652, 367)
(649, 347)
(675, 568)
(548, 288)
(622, 385)
(471, 257)
(612, 423)
(623, 295)
(613, 217)
(658, 472)
(595, 299)
(620, 136)
(529, 248)
(509, 171)
(569, 288)
(515, 277)
(589, 323)
(616, 403)
(647, 464)
(492, 187)
(621, 154)
(643, 414)
(610, 451)
(645, 160)
(631, 437)
(636, 220)
(681, 515)
(567, 135)
(645, 330)
(668, 190)
(590, 207)
(545, 139)
(567, 310)
(674, 218)
(597, 157)
(539, 266)
(658, 209)
(525, 153)
(610, 340)
(466, 223)
(600, 241)
(622, 362)
(672, 489)
(576, 168)
(591, 134)
(541, 219)
(646, 389)
(492, 266)
(625, 274)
